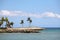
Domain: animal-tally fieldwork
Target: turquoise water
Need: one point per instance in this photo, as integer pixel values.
(47, 34)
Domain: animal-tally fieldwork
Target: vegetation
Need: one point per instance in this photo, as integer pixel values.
(8, 24)
(1, 22)
(8, 27)
(30, 21)
(11, 23)
(22, 22)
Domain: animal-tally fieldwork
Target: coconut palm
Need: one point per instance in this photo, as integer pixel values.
(2, 19)
(1, 22)
(22, 22)
(29, 20)
(8, 25)
(11, 23)
(6, 19)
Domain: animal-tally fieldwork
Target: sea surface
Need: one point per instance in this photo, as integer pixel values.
(47, 34)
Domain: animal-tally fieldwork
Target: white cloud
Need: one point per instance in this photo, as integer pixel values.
(20, 13)
(49, 14)
(57, 15)
(7, 13)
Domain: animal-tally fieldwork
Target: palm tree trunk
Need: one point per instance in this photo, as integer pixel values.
(22, 25)
(2, 25)
(29, 24)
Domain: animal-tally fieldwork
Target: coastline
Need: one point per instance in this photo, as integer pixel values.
(20, 30)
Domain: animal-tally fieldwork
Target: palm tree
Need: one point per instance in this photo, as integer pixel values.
(22, 22)
(11, 23)
(7, 22)
(8, 25)
(6, 19)
(29, 20)
(2, 19)
(1, 22)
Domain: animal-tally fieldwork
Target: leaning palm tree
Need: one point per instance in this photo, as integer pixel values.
(7, 22)
(29, 20)
(8, 25)
(22, 22)
(1, 22)
(6, 19)
(2, 19)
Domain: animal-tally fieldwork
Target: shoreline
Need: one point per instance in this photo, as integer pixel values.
(21, 30)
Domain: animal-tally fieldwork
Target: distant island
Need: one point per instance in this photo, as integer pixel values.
(8, 27)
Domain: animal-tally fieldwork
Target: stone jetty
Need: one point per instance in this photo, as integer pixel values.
(20, 30)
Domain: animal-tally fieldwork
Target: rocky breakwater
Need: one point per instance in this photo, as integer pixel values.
(20, 30)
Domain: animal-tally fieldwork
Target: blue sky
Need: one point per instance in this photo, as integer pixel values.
(44, 13)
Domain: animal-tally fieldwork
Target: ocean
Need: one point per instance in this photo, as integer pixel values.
(47, 34)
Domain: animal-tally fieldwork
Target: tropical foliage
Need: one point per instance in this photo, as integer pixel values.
(22, 22)
(11, 23)
(1, 22)
(8, 24)
(30, 21)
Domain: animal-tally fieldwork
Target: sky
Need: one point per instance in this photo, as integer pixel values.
(44, 13)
